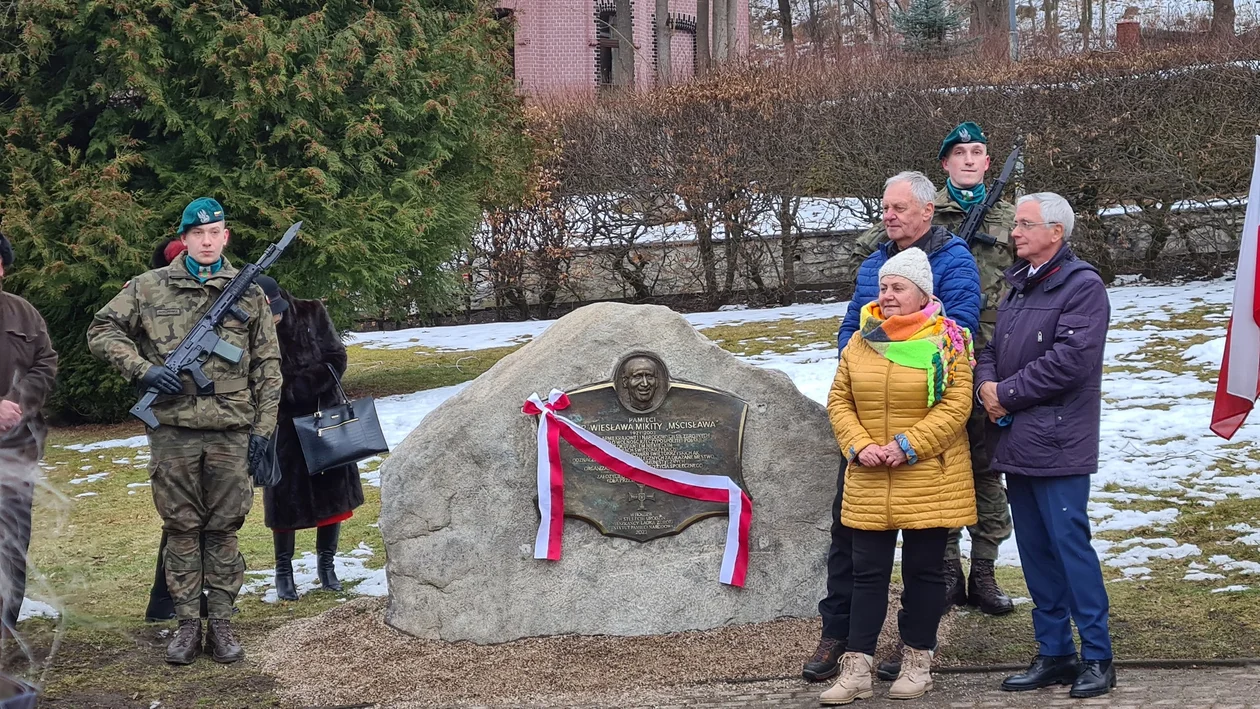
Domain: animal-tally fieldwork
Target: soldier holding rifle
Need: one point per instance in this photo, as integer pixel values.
(207, 430)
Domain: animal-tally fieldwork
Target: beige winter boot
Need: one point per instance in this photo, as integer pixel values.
(854, 682)
(915, 679)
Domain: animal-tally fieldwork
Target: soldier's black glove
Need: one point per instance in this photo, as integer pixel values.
(257, 451)
(163, 380)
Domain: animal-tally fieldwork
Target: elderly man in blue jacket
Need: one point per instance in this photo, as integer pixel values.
(908, 204)
(1040, 381)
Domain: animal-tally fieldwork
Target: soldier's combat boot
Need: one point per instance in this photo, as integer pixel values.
(983, 591)
(823, 663)
(890, 669)
(955, 585)
(186, 644)
(221, 642)
(285, 589)
(326, 545)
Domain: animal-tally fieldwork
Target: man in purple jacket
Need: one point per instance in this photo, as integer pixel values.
(1040, 382)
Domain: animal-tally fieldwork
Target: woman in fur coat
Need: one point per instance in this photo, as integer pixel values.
(309, 344)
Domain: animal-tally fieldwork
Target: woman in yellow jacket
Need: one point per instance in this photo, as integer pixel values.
(899, 408)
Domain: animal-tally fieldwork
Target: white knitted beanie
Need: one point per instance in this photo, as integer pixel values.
(912, 265)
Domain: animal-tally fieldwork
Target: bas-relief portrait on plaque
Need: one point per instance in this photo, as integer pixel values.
(667, 423)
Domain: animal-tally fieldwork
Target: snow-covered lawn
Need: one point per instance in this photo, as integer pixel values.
(1158, 456)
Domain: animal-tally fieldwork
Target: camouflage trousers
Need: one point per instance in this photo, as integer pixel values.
(201, 485)
(993, 523)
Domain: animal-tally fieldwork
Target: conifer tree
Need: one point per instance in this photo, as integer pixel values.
(384, 126)
(927, 25)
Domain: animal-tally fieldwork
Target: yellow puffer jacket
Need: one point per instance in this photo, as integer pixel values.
(871, 401)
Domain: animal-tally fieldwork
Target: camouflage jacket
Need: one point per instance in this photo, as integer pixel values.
(992, 260)
(146, 321)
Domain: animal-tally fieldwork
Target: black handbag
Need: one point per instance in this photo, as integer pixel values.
(343, 433)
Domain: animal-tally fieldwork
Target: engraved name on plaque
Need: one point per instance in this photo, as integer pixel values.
(669, 424)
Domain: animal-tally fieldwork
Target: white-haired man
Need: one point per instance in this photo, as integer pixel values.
(908, 208)
(1040, 382)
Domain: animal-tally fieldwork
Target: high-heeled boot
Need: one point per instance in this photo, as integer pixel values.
(283, 541)
(326, 545)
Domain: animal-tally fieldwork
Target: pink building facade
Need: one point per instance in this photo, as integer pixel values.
(562, 45)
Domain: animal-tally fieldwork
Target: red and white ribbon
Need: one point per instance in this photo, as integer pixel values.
(711, 488)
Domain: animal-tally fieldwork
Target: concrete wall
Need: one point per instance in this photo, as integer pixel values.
(825, 260)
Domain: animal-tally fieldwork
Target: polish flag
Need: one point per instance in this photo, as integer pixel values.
(1239, 383)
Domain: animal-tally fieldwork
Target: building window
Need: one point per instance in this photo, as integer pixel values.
(607, 45)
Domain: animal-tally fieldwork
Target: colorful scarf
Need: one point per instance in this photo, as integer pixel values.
(924, 340)
(966, 198)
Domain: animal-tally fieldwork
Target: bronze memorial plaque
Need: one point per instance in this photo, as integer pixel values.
(669, 424)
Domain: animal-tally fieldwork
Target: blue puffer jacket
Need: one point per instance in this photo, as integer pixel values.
(955, 280)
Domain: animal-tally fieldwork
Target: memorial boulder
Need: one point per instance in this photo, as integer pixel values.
(460, 500)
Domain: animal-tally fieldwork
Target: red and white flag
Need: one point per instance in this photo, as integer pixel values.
(1239, 382)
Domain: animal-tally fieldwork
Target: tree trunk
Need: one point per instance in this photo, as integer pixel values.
(663, 66)
(730, 248)
(787, 243)
(732, 29)
(719, 32)
(625, 44)
(1087, 22)
(1102, 24)
(702, 36)
(1051, 8)
(785, 19)
(708, 260)
(874, 13)
(1222, 18)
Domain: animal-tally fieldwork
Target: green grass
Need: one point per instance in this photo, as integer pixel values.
(93, 557)
(779, 337)
(385, 372)
(1161, 617)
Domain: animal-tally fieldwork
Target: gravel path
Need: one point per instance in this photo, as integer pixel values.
(349, 657)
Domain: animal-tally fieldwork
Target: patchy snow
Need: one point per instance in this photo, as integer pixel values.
(355, 578)
(1231, 589)
(1208, 353)
(87, 494)
(133, 442)
(32, 608)
(1201, 576)
(94, 477)
(459, 338)
(1135, 556)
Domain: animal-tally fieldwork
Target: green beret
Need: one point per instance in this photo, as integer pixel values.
(203, 210)
(965, 133)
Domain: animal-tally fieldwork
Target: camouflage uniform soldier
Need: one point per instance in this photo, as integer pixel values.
(202, 452)
(964, 156)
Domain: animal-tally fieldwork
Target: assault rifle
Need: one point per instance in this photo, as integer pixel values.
(202, 341)
(970, 228)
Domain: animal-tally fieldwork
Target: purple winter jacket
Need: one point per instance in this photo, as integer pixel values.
(1046, 356)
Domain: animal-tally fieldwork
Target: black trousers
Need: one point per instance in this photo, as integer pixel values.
(835, 608)
(922, 575)
(17, 491)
